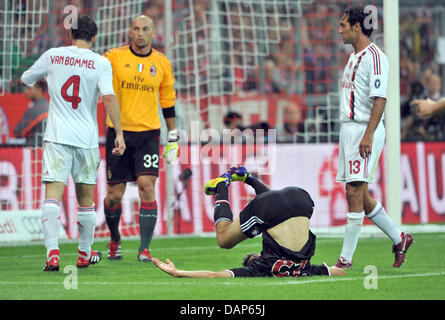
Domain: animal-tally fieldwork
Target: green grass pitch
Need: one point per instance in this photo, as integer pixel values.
(422, 276)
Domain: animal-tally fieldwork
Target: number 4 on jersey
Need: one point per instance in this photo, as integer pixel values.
(74, 99)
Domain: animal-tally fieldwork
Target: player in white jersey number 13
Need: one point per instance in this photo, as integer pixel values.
(362, 134)
(76, 76)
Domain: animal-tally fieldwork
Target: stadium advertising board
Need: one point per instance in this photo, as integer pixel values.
(310, 166)
(23, 225)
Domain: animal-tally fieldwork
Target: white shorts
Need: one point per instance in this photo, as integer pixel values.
(59, 160)
(351, 166)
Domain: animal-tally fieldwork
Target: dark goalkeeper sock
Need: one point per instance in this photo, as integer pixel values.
(113, 217)
(148, 214)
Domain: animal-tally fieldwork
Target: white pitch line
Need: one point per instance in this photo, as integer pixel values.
(336, 279)
(232, 283)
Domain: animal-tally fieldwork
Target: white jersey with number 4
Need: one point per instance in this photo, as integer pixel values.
(75, 78)
(364, 78)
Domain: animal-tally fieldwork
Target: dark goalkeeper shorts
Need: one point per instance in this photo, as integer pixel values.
(141, 157)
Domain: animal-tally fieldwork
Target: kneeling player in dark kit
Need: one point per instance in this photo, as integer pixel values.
(282, 216)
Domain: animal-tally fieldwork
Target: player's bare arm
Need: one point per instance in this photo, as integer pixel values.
(365, 146)
(334, 271)
(112, 107)
(229, 234)
(428, 108)
(171, 123)
(170, 268)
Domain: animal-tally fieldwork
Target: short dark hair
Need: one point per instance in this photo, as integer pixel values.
(357, 14)
(86, 29)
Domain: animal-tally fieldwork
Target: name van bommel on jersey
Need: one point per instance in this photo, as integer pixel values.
(76, 62)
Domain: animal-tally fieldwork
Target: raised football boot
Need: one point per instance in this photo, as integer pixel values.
(400, 249)
(210, 186)
(238, 173)
(144, 256)
(114, 250)
(343, 263)
(52, 262)
(83, 261)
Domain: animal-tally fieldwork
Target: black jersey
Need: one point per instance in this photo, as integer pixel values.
(267, 210)
(278, 261)
(273, 267)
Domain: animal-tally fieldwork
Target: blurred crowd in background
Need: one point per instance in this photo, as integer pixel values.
(265, 55)
(420, 75)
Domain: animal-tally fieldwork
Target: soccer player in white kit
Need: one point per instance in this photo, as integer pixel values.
(76, 76)
(362, 135)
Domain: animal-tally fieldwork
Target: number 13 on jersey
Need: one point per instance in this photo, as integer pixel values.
(354, 166)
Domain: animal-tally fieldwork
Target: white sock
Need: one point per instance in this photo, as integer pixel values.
(86, 223)
(352, 234)
(381, 219)
(51, 224)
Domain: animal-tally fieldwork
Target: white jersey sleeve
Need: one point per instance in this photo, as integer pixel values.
(37, 71)
(379, 70)
(105, 83)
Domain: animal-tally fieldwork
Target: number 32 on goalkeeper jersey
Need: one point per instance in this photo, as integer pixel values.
(75, 77)
(364, 78)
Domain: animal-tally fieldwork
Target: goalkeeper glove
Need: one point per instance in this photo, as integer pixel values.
(171, 148)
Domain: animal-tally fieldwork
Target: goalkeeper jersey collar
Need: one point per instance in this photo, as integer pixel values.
(140, 55)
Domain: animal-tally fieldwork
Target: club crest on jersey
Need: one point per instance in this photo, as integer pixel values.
(153, 70)
(140, 67)
(377, 83)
